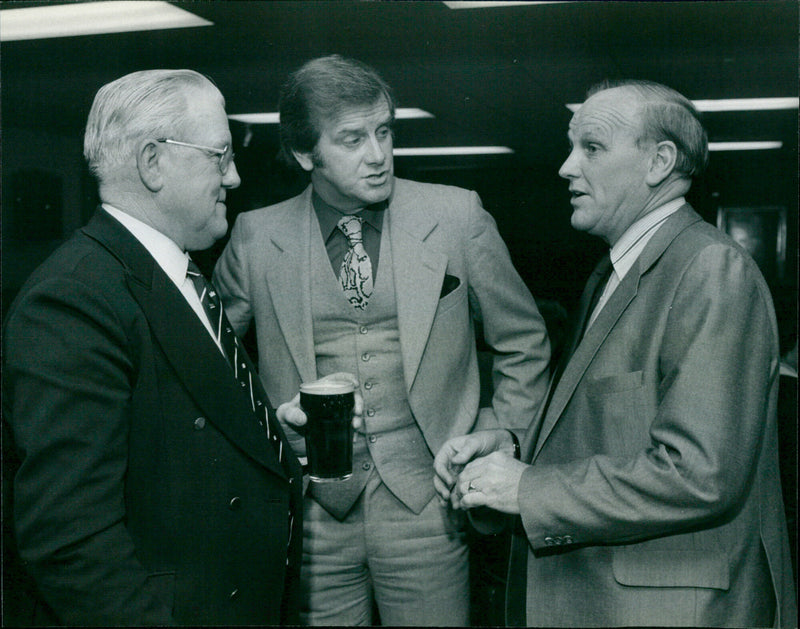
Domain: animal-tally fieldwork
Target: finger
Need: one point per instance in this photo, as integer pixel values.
(441, 488)
(284, 408)
(473, 499)
(358, 407)
(292, 414)
(465, 450)
(444, 467)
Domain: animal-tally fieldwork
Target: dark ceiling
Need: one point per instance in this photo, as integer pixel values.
(496, 76)
(490, 76)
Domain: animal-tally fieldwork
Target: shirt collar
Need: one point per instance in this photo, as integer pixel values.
(167, 254)
(328, 216)
(630, 246)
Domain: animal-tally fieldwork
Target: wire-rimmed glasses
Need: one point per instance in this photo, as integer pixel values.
(225, 155)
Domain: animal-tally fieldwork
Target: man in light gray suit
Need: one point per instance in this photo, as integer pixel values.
(648, 492)
(382, 278)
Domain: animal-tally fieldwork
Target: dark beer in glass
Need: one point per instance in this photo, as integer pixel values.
(329, 431)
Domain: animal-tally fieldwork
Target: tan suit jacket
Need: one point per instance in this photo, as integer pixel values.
(654, 496)
(265, 274)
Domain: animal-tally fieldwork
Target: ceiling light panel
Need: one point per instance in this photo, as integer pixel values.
(744, 146)
(272, 117)
(734, 104)
(494, 4)
(93, 18)
(429, 151)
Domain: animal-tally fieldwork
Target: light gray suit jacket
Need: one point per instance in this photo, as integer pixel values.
(264, 273)
(654, 495)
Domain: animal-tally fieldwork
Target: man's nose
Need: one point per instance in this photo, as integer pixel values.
(375, 150)
(231, 178)
(569, 167)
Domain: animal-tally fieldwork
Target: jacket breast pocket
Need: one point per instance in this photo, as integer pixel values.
(614, 384)
(617, 406)
(457, 296)
(671, 568)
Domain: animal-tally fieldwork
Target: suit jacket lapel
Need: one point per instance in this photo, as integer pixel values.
(606, 320)
(576, 329)
(207, 376)
(288, 271)
(418, 275)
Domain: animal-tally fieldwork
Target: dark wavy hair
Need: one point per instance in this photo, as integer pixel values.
(320, 90)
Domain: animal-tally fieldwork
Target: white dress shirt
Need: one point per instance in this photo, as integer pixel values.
(629, 247)
(169, 256)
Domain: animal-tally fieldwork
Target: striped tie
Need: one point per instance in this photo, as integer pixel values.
(240, 362)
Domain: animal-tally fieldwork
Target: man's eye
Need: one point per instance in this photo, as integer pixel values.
(383, 133)
(591, 148)
(351, 141)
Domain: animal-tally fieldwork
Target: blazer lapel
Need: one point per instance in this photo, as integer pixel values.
(288, 275)
(207, 376)
(596, 335)
(586, 350)
(418, 275)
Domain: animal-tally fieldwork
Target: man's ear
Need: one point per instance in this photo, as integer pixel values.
(662, 162)
(149, 164)
(305, 160)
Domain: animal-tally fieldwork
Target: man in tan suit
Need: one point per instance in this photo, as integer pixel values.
(396, 306)
(648, 492)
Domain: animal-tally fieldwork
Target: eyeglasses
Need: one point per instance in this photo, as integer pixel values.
(225, 154)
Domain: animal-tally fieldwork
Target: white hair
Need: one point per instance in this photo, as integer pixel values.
(149, 103)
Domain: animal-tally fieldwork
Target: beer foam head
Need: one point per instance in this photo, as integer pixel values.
(327, 387)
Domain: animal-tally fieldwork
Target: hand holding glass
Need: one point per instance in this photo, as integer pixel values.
(328, 405)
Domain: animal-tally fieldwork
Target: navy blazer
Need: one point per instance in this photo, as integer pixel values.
(147, 492)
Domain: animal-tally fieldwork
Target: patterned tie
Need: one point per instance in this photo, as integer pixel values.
(356, 273)
(240, 362)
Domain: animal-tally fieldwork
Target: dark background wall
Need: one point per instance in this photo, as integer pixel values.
(497, 76)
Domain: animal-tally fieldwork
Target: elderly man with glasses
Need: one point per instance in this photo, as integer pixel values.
(153, 484)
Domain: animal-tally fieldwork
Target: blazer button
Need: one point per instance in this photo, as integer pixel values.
(365, 466)
(363, 329)
(235, 503)
(568, 539)
(549, 541)
(371, 412)
(372, 438)
(368, 385)
(200, 423)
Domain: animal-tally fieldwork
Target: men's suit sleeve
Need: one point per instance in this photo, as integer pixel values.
(512, 326)
(67, 384)
(232, 280)
(696, 459)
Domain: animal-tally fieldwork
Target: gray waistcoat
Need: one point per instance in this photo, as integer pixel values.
(367, 344)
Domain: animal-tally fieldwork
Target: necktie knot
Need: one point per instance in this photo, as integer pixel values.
(351, 227)
(193, 270)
